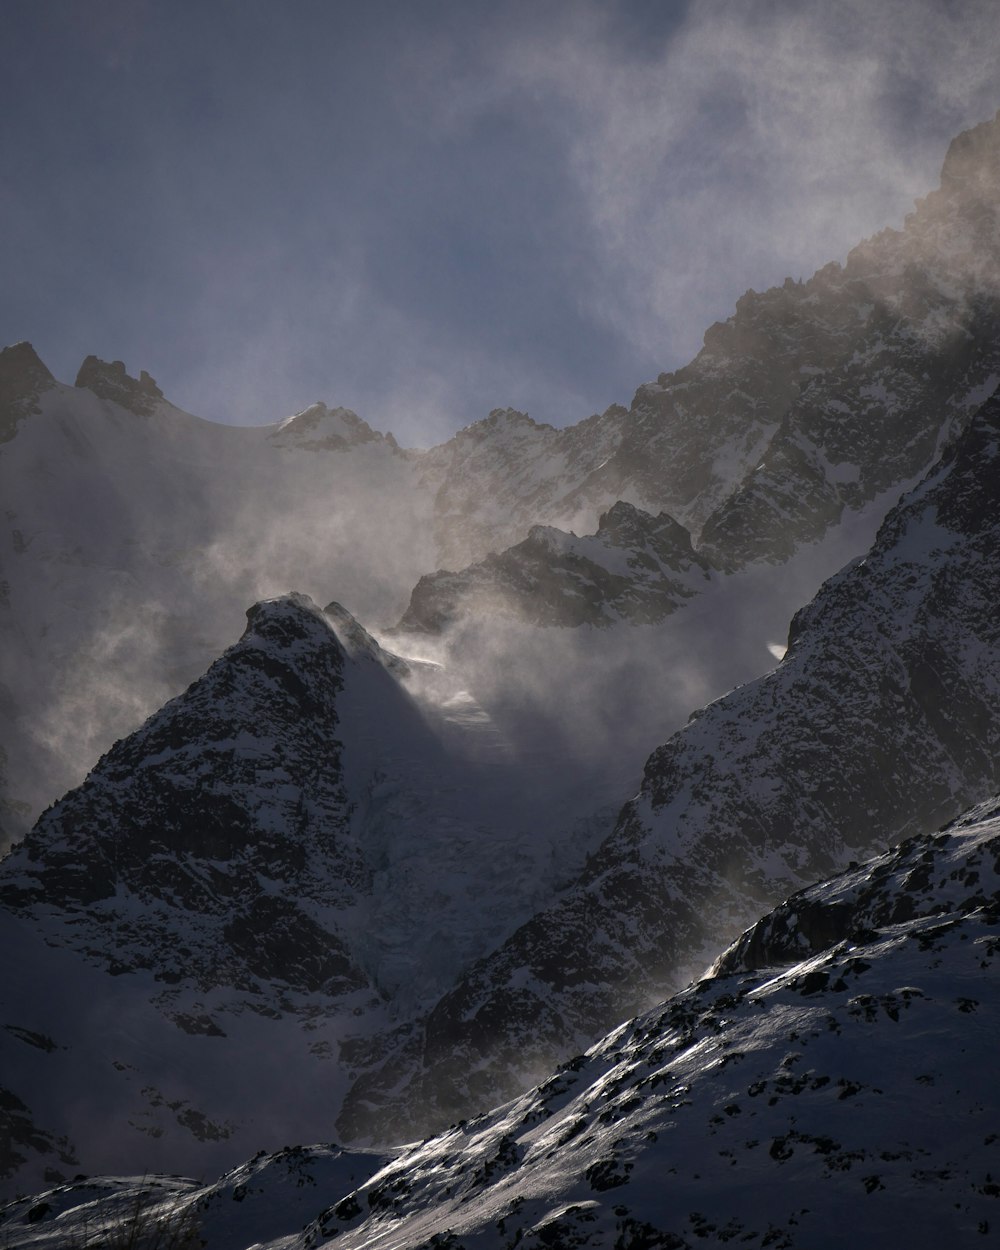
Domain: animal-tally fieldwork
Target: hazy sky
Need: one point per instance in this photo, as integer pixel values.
(424, 209)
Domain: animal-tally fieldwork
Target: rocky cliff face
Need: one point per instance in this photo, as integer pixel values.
(833, 392)
(838, 1058)
(882, 721)
(214, 820)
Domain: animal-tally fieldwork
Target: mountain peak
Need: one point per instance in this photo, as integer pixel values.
(111, 381)
(503, 422)
(284, 619)
(23, 377)
(321, 427)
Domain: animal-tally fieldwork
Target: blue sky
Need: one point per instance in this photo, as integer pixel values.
(425, 210)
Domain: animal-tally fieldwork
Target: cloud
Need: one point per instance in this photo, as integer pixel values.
(759, 142)
(425, 213)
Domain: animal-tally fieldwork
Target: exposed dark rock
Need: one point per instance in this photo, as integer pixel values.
(23, 378)
(636, 568)
(110, 381)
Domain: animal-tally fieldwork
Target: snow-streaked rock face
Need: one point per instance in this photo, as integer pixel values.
(636, 568)
(499, 476)
(883, 720)
(867, 370)
(188, 931)
(235, 784)
(834, 1071)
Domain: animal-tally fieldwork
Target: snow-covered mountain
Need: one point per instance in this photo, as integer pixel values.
(294, 859)
(333, 890)
(883, 720)
(834, 1070)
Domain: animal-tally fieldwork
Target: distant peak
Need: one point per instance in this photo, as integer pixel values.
(500, 421)
(23, 377)
(321, 427)
(622, 513)
(111, 381)
(624, 523)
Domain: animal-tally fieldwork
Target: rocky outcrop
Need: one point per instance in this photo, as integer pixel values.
(636, 568)
(110, 381)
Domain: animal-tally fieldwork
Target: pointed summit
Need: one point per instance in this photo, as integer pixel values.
(23, 378)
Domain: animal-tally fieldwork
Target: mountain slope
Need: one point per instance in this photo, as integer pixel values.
(496, 478)
(833, 1073)
(881, 721)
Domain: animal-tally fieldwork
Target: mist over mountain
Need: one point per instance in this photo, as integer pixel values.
(881, 721)
(378, 867)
